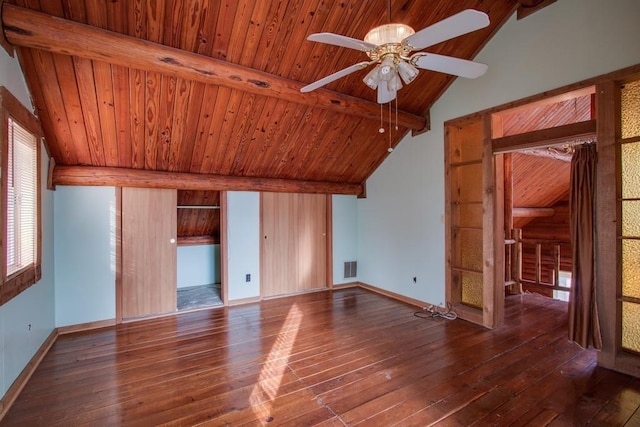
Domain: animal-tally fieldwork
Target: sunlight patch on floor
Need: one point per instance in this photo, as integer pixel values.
(266, 389)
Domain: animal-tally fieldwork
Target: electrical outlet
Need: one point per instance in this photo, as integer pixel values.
(415, 279)
(247, 277)
(29, 327)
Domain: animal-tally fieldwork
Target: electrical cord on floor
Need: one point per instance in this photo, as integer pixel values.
(432, 312)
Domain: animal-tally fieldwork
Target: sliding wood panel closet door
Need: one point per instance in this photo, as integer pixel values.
(149, 251)
(294, 243)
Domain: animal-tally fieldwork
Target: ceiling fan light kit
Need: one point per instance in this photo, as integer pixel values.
(389, 46)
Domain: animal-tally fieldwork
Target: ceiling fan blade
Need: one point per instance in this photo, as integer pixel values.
(461, 23)
(335, 76)
(384, 94)
(343, 41)
(450, 65)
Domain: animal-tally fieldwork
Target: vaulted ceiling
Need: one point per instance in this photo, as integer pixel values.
(189, 89)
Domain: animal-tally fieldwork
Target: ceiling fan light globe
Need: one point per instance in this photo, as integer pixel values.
(389, 33)
(372, 78)
(407, 71)
(386, 73)
(387, 69)
(395, 84)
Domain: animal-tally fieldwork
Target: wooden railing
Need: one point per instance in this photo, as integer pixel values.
(545, 265)
(513, 261)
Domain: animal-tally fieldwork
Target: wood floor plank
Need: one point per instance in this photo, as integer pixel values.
(460, 376)
(621, 408)
(343, 357)
(634, 420)
(592, 394)
(525, 406)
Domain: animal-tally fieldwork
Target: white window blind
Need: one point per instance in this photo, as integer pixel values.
(22, 206)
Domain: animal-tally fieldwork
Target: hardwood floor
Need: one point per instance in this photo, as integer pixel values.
(346, 357)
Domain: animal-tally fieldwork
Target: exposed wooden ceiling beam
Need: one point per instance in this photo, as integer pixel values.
(544, 137)
(533, 212)
(123, 177)
(27, 28)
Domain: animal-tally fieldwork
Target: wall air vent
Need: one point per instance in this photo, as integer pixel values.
(350, 269)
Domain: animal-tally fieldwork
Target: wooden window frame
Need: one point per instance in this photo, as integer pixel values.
(21, 280)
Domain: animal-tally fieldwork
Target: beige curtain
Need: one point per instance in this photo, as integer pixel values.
(584, 326)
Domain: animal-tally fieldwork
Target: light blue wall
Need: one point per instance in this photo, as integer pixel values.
(35, 306)
(401, 228)
(345, 235)
(400, 233)
(243, 244)
(198, 265)
(12, 78)
(85, 254)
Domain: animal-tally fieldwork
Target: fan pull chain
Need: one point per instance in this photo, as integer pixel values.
(381, 130)
(390, 149)
(396, 112)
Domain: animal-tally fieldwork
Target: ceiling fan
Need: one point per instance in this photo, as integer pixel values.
(390, 47)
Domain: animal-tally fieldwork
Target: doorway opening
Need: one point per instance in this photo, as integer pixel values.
(468, 145)
(536, 143)
(506, 200)
(199, 254)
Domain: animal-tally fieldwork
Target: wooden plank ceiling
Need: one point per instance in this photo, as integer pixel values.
(541, 176)
(102, 113)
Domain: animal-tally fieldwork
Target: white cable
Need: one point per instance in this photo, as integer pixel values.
(432, 312)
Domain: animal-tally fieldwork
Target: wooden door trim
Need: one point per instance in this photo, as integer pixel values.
(489, 302)
(449, 295)
(262, 254)
(329, 242)
(607, 248)
(118, 255)
(492, 230)
(224, 253)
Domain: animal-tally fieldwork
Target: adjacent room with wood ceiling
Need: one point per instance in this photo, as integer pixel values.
(294, 212)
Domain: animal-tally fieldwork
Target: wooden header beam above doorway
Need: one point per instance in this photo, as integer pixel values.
(533, 212)
(544, 137)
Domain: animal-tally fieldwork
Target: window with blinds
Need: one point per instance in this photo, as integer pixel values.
(20, 193)
(22, 207)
